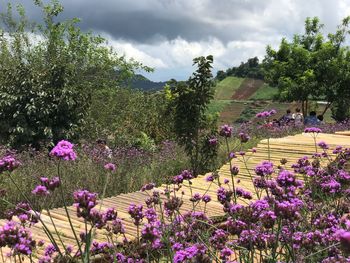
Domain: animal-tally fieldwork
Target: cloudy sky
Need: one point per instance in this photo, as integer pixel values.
(167, 34)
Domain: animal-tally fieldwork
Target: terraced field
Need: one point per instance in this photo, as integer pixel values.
(238, 100)
(247, 88)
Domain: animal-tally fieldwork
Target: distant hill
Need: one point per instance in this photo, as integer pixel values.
(142, 83)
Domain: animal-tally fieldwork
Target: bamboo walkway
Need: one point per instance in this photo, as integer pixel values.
(290, 148)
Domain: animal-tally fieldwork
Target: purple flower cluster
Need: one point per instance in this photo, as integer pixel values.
(17, 238)
(243, 137)
(291, 220)
(226, 131)
(264, 169)
(110, 167)
(64, 150)
(46, 186)
(265, 114)
(8, 163)
(312, 130)
(84, 201)
(213, 141)
(185, 175)
(135, 211)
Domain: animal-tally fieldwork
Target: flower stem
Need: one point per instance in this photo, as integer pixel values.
(66, 209)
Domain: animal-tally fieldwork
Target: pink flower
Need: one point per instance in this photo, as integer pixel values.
(64, 150)
(40, 190)
(8, 163)
(110, 166)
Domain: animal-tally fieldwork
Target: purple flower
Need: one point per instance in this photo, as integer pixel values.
(331, 186)
(120, 257)
(323, 145)
(116, 227)
(225, 253)
(312, 130)
(286, 178)
(151, 215)
(185, 175)
(265, 114)
(110, 214)
(50, 184)
(234, 170)
(84, 201)
(264, 169)
(232, 155)
(226, 131)
(8, 163)
(40, 190)
(148, 187)
(243, 137)
(242, 193)
(17, 238)
(196, 197)
(110, 167)
(49, 250)
(210, 178)
(224, 195)
(64, 150)
(213, 141)
(135, 211)
(206, 198)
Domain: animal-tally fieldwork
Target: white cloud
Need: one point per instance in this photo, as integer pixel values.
(168, 34)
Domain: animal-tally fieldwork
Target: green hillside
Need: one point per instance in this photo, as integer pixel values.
(227, 87)
(239, 99)
(265, 92)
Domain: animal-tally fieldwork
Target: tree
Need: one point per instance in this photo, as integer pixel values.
(310, 67)
(49, 72)
(192, 126)
(220, 75)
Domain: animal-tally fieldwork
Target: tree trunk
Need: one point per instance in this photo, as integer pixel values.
(326, 108)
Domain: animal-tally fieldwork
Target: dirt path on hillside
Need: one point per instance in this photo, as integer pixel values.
(247, 89)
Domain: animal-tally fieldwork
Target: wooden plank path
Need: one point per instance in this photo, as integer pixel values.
(290, 147)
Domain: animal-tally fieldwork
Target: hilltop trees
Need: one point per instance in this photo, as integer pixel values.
(312, 66)
(249, 69)
(49, 73)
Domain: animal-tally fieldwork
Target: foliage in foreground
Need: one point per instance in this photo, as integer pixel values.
(300, 213)
(49, 74)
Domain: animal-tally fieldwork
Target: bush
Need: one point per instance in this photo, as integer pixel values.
(46, 84)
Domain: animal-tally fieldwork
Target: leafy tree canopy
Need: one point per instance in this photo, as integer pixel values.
(49, 72)
(311, 66)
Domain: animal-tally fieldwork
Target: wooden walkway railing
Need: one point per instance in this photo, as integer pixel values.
(290, 147)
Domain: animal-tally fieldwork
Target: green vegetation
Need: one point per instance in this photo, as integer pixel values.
(249, 69)
(46, 86)
(192, 125)
(217, 106)
(313, 66)
(225, 89)
(266, 92)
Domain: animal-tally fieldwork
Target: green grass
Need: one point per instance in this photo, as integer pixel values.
(266, 92)
(227, 87)
(217, 106)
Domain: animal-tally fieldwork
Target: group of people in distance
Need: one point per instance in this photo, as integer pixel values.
(297, 118)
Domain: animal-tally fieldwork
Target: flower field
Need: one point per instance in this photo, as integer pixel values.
(287, 200)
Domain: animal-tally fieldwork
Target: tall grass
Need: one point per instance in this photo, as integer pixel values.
(135, 167)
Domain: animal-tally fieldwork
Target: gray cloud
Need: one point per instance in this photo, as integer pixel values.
(167, 34)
